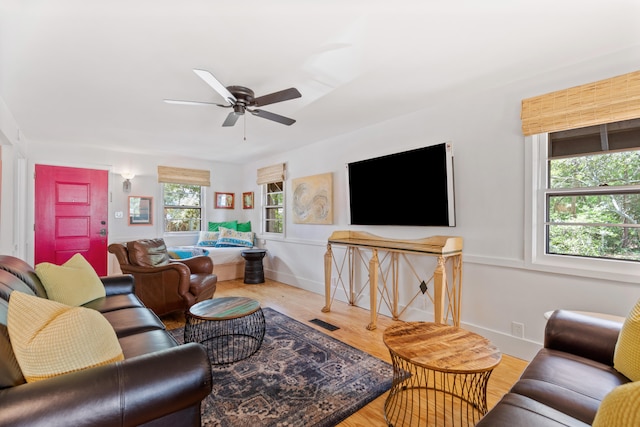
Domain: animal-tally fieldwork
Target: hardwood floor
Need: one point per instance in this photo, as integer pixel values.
(304, 306)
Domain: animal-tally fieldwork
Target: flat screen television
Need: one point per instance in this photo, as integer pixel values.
(413, 187)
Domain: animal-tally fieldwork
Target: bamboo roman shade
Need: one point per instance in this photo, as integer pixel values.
(184, 176)
(605, 101)
(270, 174)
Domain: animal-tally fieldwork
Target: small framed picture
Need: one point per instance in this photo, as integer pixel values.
(140, 210)
(247, 200)
(224, 200)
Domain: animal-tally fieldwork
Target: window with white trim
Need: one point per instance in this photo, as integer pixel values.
(590, 191)
(182, 207)
(273, 210)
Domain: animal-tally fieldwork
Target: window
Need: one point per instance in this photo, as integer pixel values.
(182, 207)
(273, 207)
(591, 193)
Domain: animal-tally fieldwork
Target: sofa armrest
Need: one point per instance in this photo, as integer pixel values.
(126, 393)
(198, 264)
(119, 284)
(582, 335)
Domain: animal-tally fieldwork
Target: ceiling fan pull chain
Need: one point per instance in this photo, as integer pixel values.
(245, 126)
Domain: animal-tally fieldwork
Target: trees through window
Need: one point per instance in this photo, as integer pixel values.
(592, 195)
(273, 207)
(182, 207)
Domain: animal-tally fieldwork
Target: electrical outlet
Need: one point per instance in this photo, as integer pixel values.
(517, 329)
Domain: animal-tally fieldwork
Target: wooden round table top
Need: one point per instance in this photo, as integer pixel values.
(224, 308)
(442, 347)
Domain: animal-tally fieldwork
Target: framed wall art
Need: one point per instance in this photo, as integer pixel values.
(140, 210)
(224, 200)
(247, 200)
(313, 199)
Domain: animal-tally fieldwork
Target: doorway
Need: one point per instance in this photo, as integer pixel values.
(71, 211)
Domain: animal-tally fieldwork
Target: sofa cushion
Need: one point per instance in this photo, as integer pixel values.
(130, 321)
(50, 338)
(114, 302)
(621, 407)
(146, 342)
(10, 372)
(73, 283)
(516, 410)
(568, 383)
(148, 252)
(626, 357)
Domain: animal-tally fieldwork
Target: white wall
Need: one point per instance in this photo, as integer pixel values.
(484, 126)
(145, 183)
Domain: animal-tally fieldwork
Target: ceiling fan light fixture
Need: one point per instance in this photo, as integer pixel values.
(242, 99)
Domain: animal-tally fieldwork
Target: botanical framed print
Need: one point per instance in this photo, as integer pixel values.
(247, 200)
(224, 200)
(140, 210)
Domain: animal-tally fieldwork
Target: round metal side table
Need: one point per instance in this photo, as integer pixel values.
(231, 328)
(440, 375)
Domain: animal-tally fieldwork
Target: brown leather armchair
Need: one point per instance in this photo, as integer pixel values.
(163, 284)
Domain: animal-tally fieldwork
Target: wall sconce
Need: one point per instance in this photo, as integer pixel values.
(126, 185)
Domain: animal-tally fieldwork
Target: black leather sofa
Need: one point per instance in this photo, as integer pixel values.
(159, 383)
(568, 378)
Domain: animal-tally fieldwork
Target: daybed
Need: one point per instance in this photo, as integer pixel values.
(159, 383)
(228, 263)
(566, 382)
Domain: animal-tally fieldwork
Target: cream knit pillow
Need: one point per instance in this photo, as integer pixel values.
(50, 339)
(73, 283)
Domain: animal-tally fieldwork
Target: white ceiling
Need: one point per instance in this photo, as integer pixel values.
(95, 72)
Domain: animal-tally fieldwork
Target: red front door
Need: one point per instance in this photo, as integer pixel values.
(71, 215)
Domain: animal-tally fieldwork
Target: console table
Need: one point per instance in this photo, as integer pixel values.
(445, 295)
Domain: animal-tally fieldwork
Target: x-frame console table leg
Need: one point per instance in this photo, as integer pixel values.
(443, 247)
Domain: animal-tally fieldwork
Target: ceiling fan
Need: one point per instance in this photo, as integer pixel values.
(243, 99)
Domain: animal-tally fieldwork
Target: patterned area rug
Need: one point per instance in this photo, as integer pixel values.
(299, 377)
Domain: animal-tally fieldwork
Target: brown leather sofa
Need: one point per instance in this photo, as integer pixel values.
(568, 378)
(160, 383)
(163, 284)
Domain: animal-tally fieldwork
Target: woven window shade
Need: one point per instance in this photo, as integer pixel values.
(270, 174)
(605, 101)
(184, 176)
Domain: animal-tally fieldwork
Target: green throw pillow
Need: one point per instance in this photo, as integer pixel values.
(243, 226)
(215, 226)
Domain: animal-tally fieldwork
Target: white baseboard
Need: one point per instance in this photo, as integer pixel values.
(513, 346)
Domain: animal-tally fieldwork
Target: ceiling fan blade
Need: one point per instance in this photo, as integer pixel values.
(179, 102)
(216, 85)
(272, 98)
(231, 119)
(271, 116)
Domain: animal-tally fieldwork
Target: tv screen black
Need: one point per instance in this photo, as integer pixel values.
(410, 188)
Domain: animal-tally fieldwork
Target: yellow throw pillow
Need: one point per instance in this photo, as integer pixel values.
(73, 283)
(626, 358)
(620, 408)
(50, 339)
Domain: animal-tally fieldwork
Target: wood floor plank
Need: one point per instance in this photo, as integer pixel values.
(304, 306)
